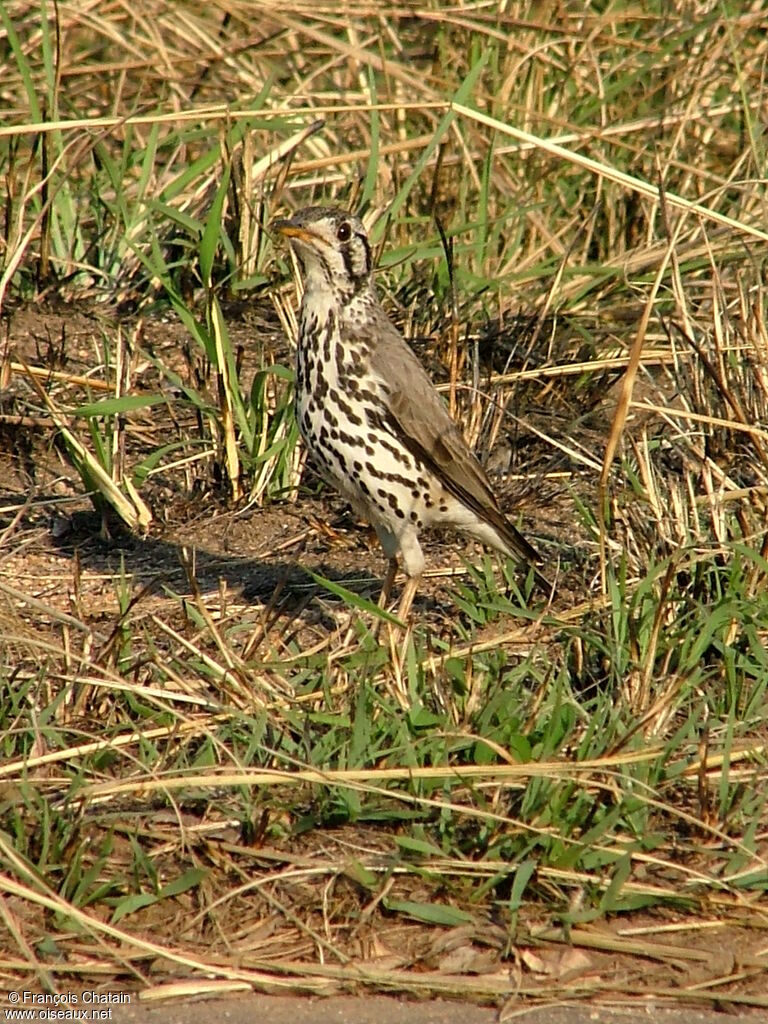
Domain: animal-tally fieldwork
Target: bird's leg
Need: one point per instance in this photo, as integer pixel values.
(413, 564)
(386, 590)
(406, 543)
(389, 579)
(409, 592)
(399, 641)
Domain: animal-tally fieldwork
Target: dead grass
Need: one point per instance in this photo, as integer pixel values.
(211, 768)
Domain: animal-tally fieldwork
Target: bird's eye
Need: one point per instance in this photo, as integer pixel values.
(344, 232)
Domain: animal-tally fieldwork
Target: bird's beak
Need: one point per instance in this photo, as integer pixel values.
(288, 229)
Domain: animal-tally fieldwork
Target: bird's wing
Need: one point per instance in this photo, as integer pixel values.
(419, 417)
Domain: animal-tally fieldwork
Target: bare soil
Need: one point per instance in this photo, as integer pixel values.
(57, 553)
(250, 550)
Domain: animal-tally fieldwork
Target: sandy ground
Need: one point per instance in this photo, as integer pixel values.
(383, 1010)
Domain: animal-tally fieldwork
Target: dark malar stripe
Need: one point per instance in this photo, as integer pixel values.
(358, 275)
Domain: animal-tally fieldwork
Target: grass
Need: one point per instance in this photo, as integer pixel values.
(251, 785)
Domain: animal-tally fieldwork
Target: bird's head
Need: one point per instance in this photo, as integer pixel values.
(332, 248)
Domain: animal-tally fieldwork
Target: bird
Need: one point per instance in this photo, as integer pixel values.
(370, 416)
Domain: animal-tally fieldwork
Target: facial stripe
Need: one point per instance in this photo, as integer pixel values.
(346, 255)
(367, 250)
(350, 253)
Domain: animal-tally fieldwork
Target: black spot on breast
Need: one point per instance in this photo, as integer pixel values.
(327, 347)
(398, 454)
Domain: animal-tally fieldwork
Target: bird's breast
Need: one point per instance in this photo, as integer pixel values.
(335, 392)
(344, 415)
